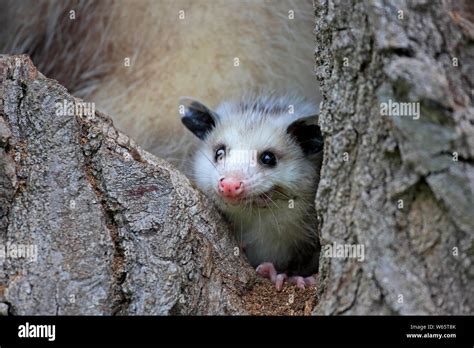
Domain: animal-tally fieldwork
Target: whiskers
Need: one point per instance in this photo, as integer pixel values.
(277, 223)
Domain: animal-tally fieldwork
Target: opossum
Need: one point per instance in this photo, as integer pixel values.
(134, 59)
(259, 162)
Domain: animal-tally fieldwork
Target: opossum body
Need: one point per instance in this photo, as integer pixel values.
(259, 162)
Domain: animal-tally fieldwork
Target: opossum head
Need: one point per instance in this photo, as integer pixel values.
(258, 153)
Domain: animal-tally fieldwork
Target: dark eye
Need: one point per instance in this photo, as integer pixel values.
(268, 158)
(220, 153)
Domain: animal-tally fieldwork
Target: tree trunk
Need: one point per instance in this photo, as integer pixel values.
(116, 230)
(119, 231)
(399, 186)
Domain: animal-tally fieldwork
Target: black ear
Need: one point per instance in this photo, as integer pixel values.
(308, 134)
(197, 117)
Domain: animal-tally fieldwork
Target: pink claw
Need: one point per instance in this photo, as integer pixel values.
(310, 281)
(298, 281)
(301, 282)
(267, 270)
(280, 279)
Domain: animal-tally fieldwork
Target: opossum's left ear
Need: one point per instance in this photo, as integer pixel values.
(197, 117)
(307, 133)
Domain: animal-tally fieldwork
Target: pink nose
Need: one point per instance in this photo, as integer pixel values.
(231, 187)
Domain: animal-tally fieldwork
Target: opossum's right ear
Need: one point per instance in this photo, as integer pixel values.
(307, 133)
(197, 117)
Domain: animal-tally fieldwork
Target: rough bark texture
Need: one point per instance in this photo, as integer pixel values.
(118, 231)
(419, 257)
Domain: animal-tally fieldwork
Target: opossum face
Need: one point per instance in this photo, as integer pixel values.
(254, 155)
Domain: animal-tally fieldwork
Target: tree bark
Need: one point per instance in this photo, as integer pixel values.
(399, 186)
(117, 230)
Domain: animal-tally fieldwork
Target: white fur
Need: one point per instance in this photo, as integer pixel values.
(268, 234)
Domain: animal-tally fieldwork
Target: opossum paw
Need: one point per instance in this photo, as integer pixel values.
(302, 282)
(267, 270)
